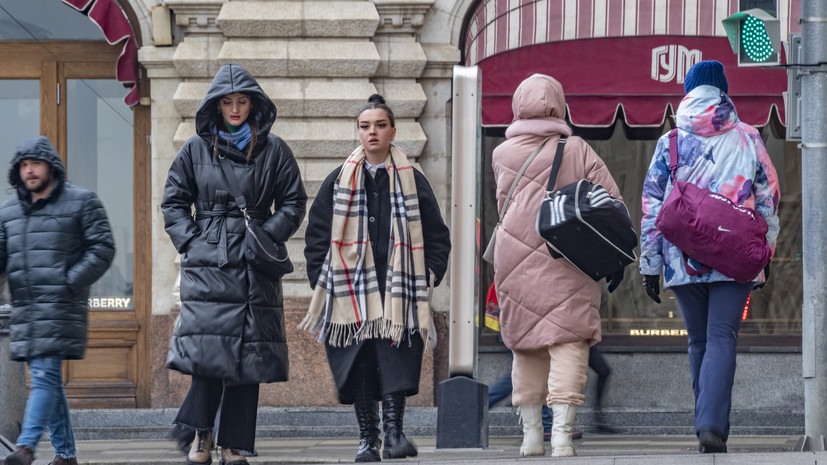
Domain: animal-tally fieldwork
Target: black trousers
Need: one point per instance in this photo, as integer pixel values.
(239, 407)
(599, 365)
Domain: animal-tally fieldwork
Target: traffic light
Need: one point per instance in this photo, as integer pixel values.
(754, 36)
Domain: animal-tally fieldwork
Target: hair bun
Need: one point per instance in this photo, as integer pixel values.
(376, 98)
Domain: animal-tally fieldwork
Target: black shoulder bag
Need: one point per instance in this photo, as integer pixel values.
(261, 251)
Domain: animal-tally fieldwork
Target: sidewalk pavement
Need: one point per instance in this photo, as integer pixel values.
(593, 449)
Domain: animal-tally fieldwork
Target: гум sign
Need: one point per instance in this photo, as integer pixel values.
(671, 62)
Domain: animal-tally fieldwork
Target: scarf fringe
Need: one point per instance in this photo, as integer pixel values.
(333, 308)
(345, 334)
(310, 323)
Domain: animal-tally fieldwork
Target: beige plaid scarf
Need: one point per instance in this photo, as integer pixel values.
(347, 305)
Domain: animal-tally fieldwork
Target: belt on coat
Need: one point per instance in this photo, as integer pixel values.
(216, 229)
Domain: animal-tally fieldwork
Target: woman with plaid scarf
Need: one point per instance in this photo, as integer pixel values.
(375, 245)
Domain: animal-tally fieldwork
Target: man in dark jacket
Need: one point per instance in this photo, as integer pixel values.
(55, 241)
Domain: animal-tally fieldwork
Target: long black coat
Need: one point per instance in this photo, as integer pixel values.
(53, 250)
(398, 367)
(231, 325)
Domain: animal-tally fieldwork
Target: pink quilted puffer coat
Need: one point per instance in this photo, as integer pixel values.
(543, 301)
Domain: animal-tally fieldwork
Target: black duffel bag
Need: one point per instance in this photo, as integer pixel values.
(585, 225)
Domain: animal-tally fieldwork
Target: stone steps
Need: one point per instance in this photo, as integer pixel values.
(276, 422)
(323, 138)
(298, 19)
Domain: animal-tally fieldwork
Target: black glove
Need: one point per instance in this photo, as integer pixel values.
(615, 279)
(766, 277)
(651, 282)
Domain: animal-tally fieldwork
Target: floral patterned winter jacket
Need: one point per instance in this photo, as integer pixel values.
(718, 152)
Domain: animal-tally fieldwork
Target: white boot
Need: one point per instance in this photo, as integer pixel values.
(532, 416)
(561, 445)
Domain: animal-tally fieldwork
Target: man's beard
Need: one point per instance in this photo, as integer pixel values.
(41, 186)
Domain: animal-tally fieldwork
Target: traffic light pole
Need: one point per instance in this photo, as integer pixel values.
(813, 75)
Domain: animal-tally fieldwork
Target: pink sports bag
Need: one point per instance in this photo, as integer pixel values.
(711, 229)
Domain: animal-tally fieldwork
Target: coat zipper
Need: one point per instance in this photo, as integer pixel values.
(28, 283)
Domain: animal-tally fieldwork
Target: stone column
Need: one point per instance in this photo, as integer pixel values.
(12, 384)
(314, 59)
(193, 55)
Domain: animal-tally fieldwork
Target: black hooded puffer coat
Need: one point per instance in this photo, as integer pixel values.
(53, 251)
(231, 325)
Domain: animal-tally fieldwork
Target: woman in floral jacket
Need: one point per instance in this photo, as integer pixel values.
(718, 152)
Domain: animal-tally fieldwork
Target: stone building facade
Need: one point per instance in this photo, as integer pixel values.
(319, 61)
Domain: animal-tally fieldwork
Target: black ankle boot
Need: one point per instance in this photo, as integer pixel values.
(396, 444)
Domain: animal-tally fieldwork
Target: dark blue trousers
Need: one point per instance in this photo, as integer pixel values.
(712, 315)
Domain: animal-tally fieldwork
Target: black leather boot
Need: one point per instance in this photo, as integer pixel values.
(367, 415)
(396, 444)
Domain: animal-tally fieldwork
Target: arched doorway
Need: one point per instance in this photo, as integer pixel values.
(58, 79)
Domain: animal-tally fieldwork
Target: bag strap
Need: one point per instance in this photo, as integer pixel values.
(555, 167)
(673, 154)
(519, 175)
(232, 180)
(673, 170)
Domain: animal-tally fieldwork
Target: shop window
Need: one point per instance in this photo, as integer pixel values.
(57, 78)
(774, 310)
(100, 159)
(20, 116)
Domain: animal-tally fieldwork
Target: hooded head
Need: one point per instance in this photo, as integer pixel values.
(228, 80)
(539, 107)
(38, 148)
(706, 73)
(539, 96)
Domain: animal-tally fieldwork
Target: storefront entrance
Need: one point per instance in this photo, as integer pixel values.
(67, 91)
(622, 71)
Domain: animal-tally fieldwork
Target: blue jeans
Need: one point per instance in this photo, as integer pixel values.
(712, 315)
(499, 390)
(47, 406)
(502, 388)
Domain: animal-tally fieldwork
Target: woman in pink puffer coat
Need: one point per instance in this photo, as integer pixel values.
(549, 309)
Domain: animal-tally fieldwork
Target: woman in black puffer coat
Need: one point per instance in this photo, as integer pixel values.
(230, 335)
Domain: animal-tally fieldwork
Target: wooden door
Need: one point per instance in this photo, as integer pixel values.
(105, 148)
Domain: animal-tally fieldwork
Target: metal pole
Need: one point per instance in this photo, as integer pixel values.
(814, 217)
(462, 357)
(462, 418)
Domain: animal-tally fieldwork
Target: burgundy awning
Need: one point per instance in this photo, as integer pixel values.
(116, 28)
(641, 75)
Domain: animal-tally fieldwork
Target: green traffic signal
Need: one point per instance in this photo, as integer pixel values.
(754, 37)
(755, 42)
